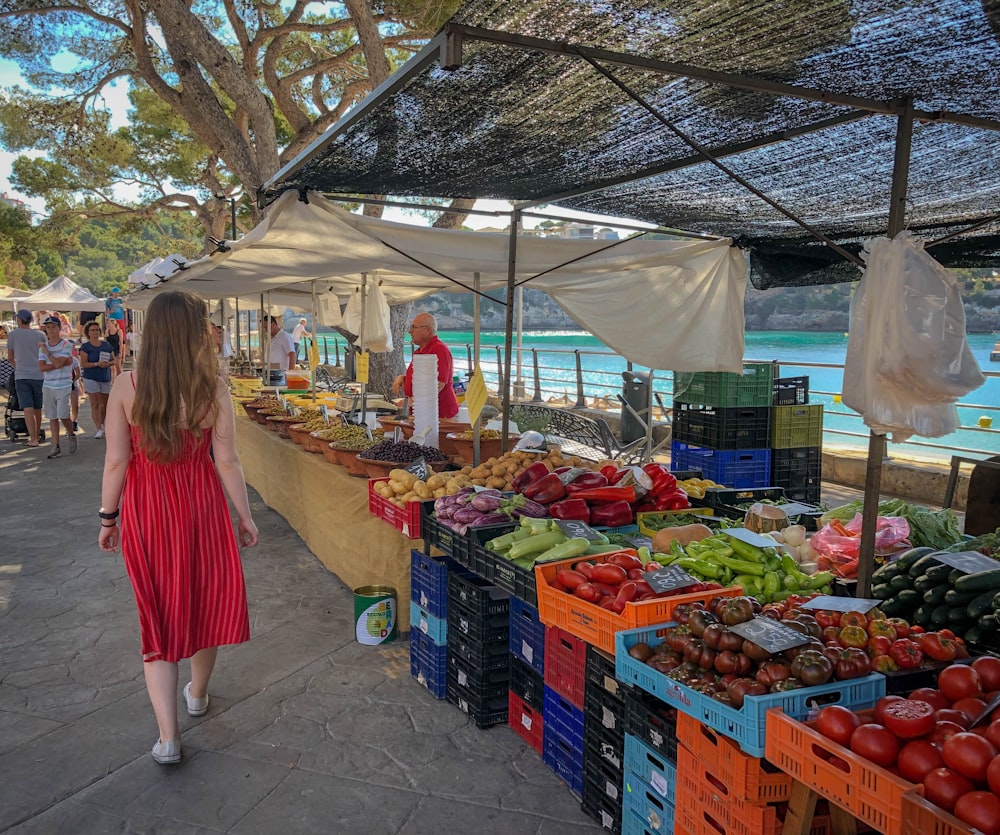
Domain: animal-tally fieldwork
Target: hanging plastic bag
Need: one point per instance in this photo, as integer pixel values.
(351, 320)
(377, 329)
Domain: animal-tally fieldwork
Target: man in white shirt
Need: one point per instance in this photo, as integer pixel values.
(298, 332)
(281, 356)
(55, 361)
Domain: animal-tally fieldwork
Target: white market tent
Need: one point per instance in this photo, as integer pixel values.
(606, 286)
(62, 294)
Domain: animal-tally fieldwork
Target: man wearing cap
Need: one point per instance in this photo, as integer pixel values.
(281, 355)
(114, 309)
(22, 351)
(55, 361)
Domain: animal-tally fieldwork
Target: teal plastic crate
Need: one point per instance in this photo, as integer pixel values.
(754, 387)
(653, 770)
(663, 824)
(434, 628)
(647, 805)
(746, 726)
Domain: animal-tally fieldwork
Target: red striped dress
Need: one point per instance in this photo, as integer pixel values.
(181, 554)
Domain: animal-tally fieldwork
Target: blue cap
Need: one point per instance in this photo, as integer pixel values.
(24, 316)
(115, 290)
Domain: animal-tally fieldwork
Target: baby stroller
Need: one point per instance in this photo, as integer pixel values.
(13, 417)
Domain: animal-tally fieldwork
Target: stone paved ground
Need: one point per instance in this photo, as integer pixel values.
(308, 732)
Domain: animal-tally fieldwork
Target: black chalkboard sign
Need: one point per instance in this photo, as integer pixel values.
(640, 541)
(668, 578)
(971, 562)
(420, 469)
(769, 634)
(574, 529)
(841, 604)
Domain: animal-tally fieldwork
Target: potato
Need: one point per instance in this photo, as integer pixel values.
(435, 481)
(440, 493)
(403, 476)
(466, 470)
(398, 488)
(495, 482)
(422, 490)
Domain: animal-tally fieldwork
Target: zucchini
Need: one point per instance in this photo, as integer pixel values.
(957, 615)
(908, 599)
(901, 582)
(937, 594)
(974, 635)
(887, 572)
(919, 568)
(940, 615)
(922, 617)
(996, 601)
(988, 624)
(881, 592)
(955, 574)
(925, 583)
(980, 581)
(956, 598)
(905, 560)
(939, 573)
(981, 604)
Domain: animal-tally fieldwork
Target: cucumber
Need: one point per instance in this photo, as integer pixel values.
(881, 592)
(920, 566)
(905, 560)
(955, 574)
(937, 594)
(907, 599)
(957, 615)
(980, 581)
(939, 573)
(901, 582)
(956, 598)
(922, 617)
(981, 604)
(988, 624)
(940, 615)
(925, 583)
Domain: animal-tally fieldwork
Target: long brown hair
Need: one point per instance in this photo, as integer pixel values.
(176, 377)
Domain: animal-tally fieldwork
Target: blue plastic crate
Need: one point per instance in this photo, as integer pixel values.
(434, 628)
(651, 768)
(429, 582)
(564, 717)
(746, 726)
(563, 758)
(527, 635)
(733, 467)
(662, 824)
(428, 663)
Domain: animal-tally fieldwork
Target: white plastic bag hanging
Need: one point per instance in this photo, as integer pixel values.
(352, 313)
(377, 331)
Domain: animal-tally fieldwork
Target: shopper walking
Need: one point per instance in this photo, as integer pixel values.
(55, 361)
(176, 535)
(22, 352)
(96, 357)
(115, 337)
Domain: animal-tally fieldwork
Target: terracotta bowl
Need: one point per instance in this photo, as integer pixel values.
(299, 434)
(380, 469)
(444, 428)
(251, 410)
(263, 414)
(329, 454)
(488, 447)
(348, 458)
(280, 424)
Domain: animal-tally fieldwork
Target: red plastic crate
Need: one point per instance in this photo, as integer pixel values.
(565, 664)
(923, 818)
(598, 626)
(751, 778)
(870, 793)
(526, 721)
(406, 520)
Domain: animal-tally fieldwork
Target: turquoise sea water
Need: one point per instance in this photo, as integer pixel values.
(602, 377)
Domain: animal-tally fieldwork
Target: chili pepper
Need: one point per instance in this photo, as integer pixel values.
(606, 495)
(613, 514)
(586, 482)
(663, 479)
(570, 509)
(536, 471)
(549, 488)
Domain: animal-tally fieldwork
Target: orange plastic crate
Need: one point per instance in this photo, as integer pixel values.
(870, 793)
(923, 818)
(598, 626)
(406, 520)
(750, 778)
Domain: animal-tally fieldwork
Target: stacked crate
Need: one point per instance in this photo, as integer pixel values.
(722, 425)
(478, 675)
(428, 627)
(562, 710)
(604, 723)
(526, 697)
(796, 441)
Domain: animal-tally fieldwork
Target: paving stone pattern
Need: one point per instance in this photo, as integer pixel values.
(308, 732)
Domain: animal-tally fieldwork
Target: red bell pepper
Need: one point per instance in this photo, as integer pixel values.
(612, 515)
(609, 471)
(570, 509)
(663, 479)
(531, 474)
(675, 499)
(586, 481)
(545, 490)
(606, 495)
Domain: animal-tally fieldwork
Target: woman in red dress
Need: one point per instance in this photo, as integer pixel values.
(163, 420)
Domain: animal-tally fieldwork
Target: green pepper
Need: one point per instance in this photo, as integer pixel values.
(644, 554)
(747, 552)
(772, 583)
(742, 566)
(791, 582)
(819, 580)
(699, 567)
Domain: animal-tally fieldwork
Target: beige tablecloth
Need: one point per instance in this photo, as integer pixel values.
(329, 510)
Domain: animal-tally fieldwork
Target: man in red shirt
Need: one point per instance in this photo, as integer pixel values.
(423, 332)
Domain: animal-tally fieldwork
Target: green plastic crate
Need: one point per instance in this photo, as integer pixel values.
(719, 388)
(797, 426)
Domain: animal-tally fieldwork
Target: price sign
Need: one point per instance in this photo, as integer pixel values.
(750, 538)
(325, 412)
(795, 508)
(361, 367)
(841, 604)
(574, 529)
(668, 578)
(475, 394)
(640, 541)
(769, 634)
(420, 469)
(970, 562)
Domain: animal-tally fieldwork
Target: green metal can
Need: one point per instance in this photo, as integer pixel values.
(375, 615)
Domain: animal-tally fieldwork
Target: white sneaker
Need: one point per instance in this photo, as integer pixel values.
(167, 753)
(195, 707)
(99, 433)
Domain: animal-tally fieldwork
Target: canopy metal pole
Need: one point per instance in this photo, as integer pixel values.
(312, 366)
(515, 225)
(876, 443)
(475, 365)
(520, 337)
(361, 333)
(237, 325)
(266, 355)
(265, 371)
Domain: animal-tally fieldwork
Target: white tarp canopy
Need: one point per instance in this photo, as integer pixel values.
(61, 295)
(665, 304)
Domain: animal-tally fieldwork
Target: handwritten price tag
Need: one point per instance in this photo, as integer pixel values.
(769, 634)
(668, 578)
(420, 469)
(841, 604)
(971, 562)
(574, 529)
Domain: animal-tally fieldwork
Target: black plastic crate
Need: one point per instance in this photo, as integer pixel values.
(438, 534)
(600, 673)
(605, 709)
(476, 628)
(527, 635)
(483, 685)
(652, 721)
(728, 496)
(483, 714)
(487, 657)
(477, 595)
(790, 391)
(810, 494)
(603, 743)
(520, 582)
(477, 556)
(597, 801)
(739, 427)
(798, 471)
(526, 684)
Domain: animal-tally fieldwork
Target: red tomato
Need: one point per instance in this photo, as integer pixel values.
(879, 645)
(993, 775)
(959, 717)
(909, 719)
(918, 757)
(613, 575)
(875, 743)
(942, 731)
(969, 755)
(960, 681)
(993, 733)
(932, 696)
(881, 705)
(973, 708)
(988, 668)
(838, 723)
(981, 810)
(943, 787)
(854, 619)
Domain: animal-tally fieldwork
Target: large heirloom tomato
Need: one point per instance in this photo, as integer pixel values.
(838, 723)
(959, 681)
(943, 787)
(908, 719)
(875, 743)
(969, 755)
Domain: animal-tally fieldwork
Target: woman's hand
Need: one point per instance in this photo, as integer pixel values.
(247, 533)
(108, 540)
